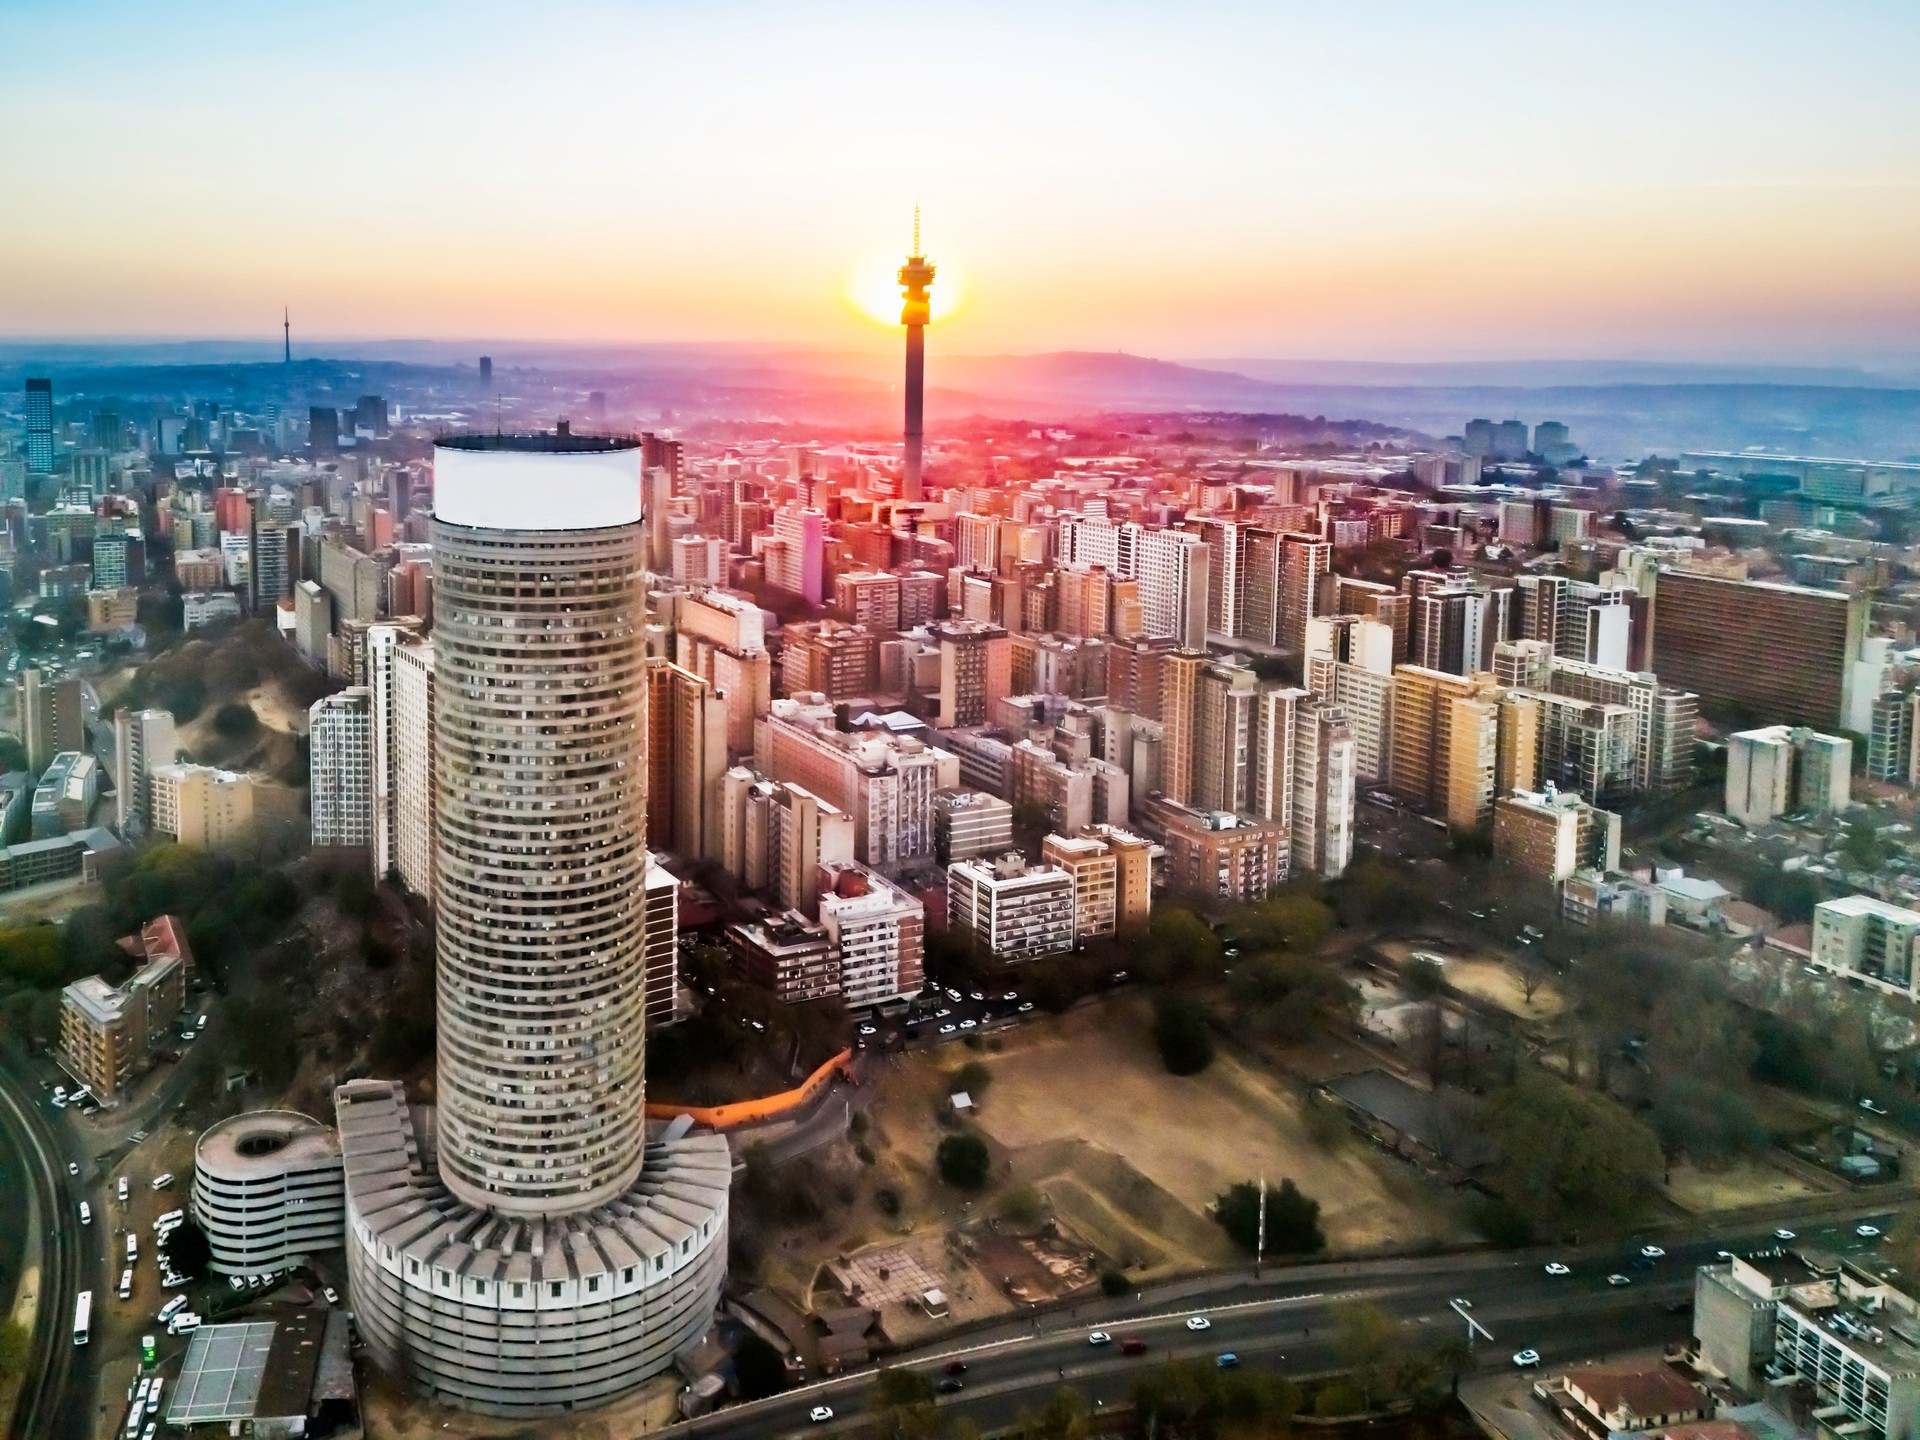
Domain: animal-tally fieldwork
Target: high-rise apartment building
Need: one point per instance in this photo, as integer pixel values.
(1173, 574)
(142, 739)
(975, 671)
(1550, 834)
(341, 786)
(1420, 760)
(878, 935)
(542, 1254)
(836, 660)
(416, 800)
(1223, 740)
(686, 756)
(53, 716)
(1782, 769)
(1304, 562)
(885, 783)
(1014, 911)
(1096, 874)
(39, 414)
(1758, 651)
(1323, 789)
(722, 639)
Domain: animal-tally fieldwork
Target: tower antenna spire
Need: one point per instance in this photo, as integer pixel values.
(286, 333)
(916, 227)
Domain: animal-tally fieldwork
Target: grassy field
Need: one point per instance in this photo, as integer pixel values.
(1745, 1182)
(1092, 1092)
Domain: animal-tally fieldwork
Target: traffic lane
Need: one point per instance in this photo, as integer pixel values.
(1561, 1334)
(1301, 1343)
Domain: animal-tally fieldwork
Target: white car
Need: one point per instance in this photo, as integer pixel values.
(86, 1213)
(1025, 1006)
(72, 1169)
(1619, 1280)
(1783, 1235)
(1099, 1337)
(1652, 1252)
(869, 1030)
(820, 1414)
(1526, 1359)
(161, 1182)
(331, 1295)
(1867, 1232)
(968, 1024)
(1554, 1267)
(120, 1189)
(948, 1029)
(1199, 1322)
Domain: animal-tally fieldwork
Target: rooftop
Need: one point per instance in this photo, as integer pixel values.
(544, 442)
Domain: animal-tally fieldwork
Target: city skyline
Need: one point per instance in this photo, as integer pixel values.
(1377, 186)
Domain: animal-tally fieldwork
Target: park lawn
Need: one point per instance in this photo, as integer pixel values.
(1095, 1078)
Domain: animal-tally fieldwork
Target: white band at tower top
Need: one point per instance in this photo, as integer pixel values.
(536, 490)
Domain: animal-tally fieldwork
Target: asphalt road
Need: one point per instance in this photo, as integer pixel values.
(54, 1402)
(1285, 1322)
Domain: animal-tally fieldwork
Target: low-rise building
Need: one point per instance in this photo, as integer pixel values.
(878, 934)
(789, 955)
(1863, 938)
(1649, 1396)
(199, 806)
(1233, 857)
(967, 823)
(109, 1032)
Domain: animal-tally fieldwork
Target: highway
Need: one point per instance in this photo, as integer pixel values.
(1286, 1322)
(56, 1396)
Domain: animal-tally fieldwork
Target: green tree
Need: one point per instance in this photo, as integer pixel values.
(1181, 1031)
(963, 1160)
(1569, 1156)
(900, 1404)
(1179, 948)
(1456, 1357)
(1286, 922)
(1293, 1220)
(1368, 1343)
(235, 720)
(1064, 1417)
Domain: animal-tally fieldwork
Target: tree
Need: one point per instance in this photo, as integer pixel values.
(1368, 1342)
(236, 721)
(1286, 998)
(901, 1404)
(1180, 1030)
(1287, 922)
(1293, 1220)
(1456, 1356)
(1569, 1156)
(1423, 977)
(1179, 947)
(1064, 1417)
(963, 1161)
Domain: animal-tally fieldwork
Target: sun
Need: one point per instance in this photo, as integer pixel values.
(874, 289)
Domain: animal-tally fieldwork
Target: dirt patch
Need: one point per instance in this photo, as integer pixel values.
(1488, 978)
(389, 1413)
(1097, 1085)
(1745, 1182)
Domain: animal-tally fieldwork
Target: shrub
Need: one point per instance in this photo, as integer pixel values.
(888, 1201)
(1115, 1283)
(1336, 1399)
(963, 1161)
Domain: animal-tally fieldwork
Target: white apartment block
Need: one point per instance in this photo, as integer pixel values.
(1323, 790)
(1860, 937)
(415, 802)
(142, 739)
(1014, 911)
(877, 931)
(1785, 768)
(341, 787)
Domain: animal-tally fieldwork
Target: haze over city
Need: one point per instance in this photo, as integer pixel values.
(1390, 181)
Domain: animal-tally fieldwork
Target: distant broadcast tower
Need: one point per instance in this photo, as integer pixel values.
(286, 333)
(915, 276)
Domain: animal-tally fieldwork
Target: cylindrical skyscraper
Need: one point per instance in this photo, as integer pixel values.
(539, 645)
(915, 276)
(526, 1247)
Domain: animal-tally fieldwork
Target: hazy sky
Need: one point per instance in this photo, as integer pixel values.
(1358, 178)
